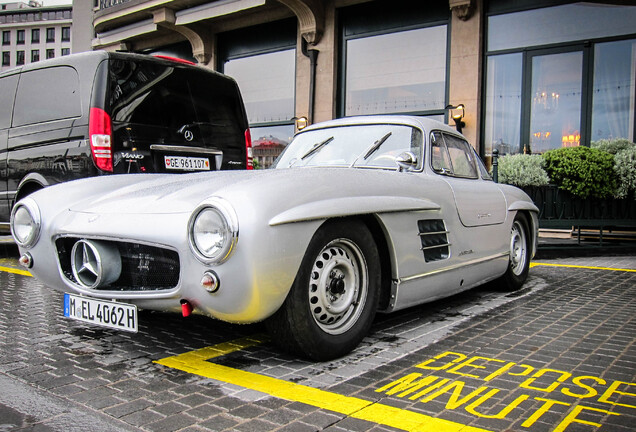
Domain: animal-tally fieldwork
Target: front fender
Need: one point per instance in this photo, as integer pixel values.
(350, 206)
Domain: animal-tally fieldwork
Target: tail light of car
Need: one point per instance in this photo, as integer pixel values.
(100, 137)
(248, 150)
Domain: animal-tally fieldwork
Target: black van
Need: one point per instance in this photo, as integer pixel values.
(100, 113)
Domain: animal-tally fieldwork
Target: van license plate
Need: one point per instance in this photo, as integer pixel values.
(187, 163)
(120, 316)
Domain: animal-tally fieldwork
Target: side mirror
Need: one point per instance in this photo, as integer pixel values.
(406, 161)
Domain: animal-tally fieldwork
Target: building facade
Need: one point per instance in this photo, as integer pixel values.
(31, 33)
(531, 75)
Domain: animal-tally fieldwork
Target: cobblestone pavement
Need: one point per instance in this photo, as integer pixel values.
(558, 355)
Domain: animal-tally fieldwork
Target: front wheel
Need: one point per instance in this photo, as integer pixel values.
(520, 253)
(333, 300)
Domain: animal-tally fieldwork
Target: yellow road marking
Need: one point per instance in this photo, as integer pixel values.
(534, 264)
(196, 362)
(16, 271)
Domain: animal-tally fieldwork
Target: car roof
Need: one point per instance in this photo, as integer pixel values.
(424, 123)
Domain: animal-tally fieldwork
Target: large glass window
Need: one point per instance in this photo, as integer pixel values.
(262, 60)
(565, 23)
(267, 84)
(559, 77)
(613, 90)
(35, 35)
(396, 72)
(20, 37)
(394, 59)
(503, 103)
(555, 112)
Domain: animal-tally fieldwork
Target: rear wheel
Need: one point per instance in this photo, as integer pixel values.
(519, 261)
(334, 297)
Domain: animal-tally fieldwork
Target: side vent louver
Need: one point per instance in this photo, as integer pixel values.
(434, 237)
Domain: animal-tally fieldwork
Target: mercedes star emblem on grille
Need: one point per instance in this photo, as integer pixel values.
(95, 263)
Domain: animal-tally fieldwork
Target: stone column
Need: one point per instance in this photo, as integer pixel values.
(466, 63)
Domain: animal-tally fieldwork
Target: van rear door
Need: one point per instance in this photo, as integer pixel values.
(169, 117)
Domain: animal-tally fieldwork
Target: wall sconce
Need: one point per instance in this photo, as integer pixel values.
(301, 122)
(457, 114)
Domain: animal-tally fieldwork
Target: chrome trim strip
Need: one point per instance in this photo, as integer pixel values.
(186, 149)
(454, 267)
(435, 246)
(433, 233)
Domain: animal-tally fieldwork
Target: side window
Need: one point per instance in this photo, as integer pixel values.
(46, 95)
(439, 155)
(482, 168)
(461, 155)
(7, 92)
(452, 156)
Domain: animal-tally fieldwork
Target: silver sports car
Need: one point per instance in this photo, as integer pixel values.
(358, 215)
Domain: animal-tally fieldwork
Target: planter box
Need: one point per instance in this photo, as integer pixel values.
(561, 209)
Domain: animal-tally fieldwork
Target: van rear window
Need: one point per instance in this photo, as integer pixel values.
(46, 95)
(182, 106)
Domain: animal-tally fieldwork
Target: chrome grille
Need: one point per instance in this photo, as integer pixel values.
(144, 267)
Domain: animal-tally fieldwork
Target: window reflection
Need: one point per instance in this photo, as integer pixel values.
(613, 94)
(396, 72)
(503, 104)
(556, 101)
(559, 24)
(269, 142)
(267, 85)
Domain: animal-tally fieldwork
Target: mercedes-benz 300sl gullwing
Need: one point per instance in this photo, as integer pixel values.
(357, 215)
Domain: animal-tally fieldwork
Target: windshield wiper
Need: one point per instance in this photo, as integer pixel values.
(316, 147)
(376, 145)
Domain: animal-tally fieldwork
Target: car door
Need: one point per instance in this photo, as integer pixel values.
(479, 202)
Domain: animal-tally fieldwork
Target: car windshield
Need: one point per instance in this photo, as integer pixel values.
(360, 146)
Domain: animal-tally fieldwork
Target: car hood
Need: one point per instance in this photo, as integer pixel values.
(171, 193)
(151, 194)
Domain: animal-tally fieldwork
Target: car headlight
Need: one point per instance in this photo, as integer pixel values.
(25, 222)
(213, 231)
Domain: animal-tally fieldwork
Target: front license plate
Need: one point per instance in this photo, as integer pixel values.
(187, 163)
(120, 316)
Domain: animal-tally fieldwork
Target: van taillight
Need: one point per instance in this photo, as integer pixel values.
(248, 150)
(100, 137)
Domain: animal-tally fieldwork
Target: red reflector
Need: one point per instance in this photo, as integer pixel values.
(248, 150)
(186, 308)
(100, 137)
(175, 59)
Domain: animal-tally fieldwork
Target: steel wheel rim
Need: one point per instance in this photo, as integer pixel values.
(518, 246)
(338, 286)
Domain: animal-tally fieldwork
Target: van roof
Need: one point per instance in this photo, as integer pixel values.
(91, 58)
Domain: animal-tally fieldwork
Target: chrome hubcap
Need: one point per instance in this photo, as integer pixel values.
(338, 286)
(518, 249)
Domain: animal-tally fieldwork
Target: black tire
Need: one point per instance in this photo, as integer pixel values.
(333, 300)
(520, 254)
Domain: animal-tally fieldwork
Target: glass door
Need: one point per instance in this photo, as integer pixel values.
(556, 101)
